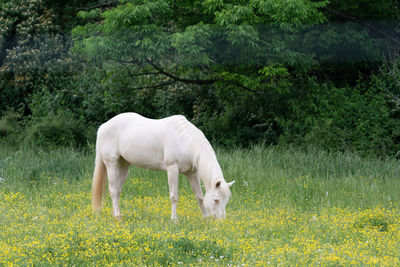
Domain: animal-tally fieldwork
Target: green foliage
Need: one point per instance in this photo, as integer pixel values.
(212, 39)
(378, 10)
(33, 51)
(299, 71)
(359, 118)
(56, 130)
(241, 71)
(9, 124)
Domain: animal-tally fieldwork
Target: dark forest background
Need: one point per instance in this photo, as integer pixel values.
(297, 72)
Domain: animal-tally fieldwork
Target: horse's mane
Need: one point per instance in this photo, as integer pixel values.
(204, 159)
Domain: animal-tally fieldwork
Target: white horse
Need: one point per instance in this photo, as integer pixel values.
(172, 144)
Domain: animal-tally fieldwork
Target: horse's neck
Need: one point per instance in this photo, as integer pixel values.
(203, 155)
(209, 170)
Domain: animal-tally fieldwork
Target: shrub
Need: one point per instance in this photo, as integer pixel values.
(361, 118)
(54, 130)
(10, 128)
(9, 123)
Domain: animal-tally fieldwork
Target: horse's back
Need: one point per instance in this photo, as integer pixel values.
(148, 143)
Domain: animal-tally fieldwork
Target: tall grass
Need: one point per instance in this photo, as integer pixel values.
(288, 206)
(304, 179)
(312, 178)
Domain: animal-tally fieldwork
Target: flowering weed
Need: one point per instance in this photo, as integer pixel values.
(53, 223)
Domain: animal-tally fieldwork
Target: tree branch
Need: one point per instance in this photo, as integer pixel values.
(151, 86)
(203, 82)
(107, 4)
(124, 62)
(144, 73)
(246, 88)
(176, 78)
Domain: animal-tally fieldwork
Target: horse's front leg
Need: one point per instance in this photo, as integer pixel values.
(194, 181)
(173, 173)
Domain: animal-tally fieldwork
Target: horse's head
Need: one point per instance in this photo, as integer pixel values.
(216, 198)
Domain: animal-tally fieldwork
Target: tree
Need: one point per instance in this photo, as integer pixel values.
(237, 68)
(24, 27)
(34, 48)
(249, 45)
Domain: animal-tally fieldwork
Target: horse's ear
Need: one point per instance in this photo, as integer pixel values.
(230, 184)
(218, 184)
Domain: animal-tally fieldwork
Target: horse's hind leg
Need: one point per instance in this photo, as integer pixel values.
(117, 173)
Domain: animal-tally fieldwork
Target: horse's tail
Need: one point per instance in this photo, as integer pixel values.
(99, 181)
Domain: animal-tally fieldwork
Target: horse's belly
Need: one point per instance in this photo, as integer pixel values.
(145, 157)
(147, 163)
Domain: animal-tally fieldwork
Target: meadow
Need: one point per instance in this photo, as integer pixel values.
(289, 206)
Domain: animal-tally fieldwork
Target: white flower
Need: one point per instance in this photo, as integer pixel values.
(2, 180)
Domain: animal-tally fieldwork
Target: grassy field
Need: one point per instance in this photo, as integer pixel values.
(288, 207)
